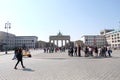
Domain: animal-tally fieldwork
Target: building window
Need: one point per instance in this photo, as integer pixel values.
(32, 40)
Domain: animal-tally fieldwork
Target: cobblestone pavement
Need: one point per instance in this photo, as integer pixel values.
(59, 66)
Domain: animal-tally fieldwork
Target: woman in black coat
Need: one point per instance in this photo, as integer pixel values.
(19, 58)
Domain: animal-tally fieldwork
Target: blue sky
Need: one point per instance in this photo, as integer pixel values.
(43, 18)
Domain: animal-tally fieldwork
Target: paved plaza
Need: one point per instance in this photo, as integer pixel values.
(59, 66)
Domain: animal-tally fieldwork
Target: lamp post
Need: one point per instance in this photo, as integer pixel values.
(7, 26)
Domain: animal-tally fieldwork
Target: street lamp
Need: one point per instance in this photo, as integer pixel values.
(7, 26)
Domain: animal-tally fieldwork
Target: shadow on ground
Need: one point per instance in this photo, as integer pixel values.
(113, 57)
(54, 58)
(28, 69)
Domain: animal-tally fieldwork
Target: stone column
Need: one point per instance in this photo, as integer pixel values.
(57, 42)
(65, 42)
(69, 42)
(49, 42)
(62, 43)
(53, 42)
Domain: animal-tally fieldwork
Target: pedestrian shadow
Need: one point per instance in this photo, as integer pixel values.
(95, 57)
(4, 54)
(54, 58)
(28, 69)
(113, 57)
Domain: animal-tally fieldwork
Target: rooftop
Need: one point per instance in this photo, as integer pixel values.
(115, 31)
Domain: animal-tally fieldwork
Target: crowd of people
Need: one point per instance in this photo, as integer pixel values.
(90, 51)
(94, 51)
(72, 51)
(54, 49)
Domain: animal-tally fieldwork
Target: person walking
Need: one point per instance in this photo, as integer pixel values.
(19, 58)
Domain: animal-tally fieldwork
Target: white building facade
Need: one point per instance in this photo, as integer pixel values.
(7, 40)
(94, 40)
(28, 41)
(10, 41)
(113, 38)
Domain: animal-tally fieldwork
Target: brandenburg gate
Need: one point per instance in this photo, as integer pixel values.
(64, 39)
